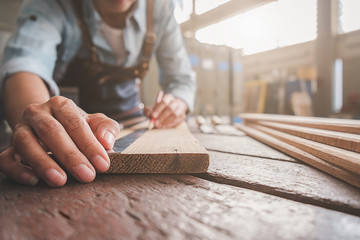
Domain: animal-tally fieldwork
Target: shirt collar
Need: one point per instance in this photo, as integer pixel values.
(138, 15)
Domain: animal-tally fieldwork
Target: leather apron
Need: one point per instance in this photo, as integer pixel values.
(99, 83)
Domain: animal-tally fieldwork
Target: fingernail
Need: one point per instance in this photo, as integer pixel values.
(29, 178)
(100, 163)
(155, 115)
(84, 173)
(55, 177)
(17, 157)
(109, 137)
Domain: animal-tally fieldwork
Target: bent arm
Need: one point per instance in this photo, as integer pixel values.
(176, 75)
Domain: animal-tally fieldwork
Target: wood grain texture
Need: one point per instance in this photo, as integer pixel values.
(127, 131)
(340, 125)
(240, 145)
(298, 182)
(162, 207)
(304, 156)
(162, 151)
(337, 156)
(337, 139)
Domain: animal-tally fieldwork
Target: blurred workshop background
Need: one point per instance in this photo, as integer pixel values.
(262, 56)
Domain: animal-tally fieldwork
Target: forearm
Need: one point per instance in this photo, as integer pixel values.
(20, 90)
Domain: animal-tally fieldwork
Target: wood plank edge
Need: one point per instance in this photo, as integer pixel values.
(337, 156)
(159, 163)
(314, 161)
(323, 136)
(341, 126)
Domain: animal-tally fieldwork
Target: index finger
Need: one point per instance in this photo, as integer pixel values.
(80, 132)
(164, 103)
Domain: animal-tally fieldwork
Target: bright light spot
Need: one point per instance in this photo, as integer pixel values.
(183, 10)
(349, 17)
(278, 24)
(202, 6)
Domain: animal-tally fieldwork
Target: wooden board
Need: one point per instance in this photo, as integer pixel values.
(162, 207)
(340, 125)
(337, 139)
(162, 151)
(298, 182)
(240, 145)
(314, 161)
(340, 157)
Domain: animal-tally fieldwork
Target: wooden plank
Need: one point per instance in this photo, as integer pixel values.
(340, 125)
(162, 207)
(337, 139)
(314, 161)
(129, 130)
(337, 156)
(162, 151)
(298, 182)
(240, 145)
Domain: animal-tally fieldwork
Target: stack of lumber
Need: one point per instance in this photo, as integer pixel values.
(331, 145)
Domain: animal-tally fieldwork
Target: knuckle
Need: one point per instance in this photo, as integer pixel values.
(47, 126)
(114, 124)
(110, 123)
(73, 124)
(21, 136)
(32, 110)
(70, 156)
(170, 109)
(99, 115)
(88, 148)
(59, 101)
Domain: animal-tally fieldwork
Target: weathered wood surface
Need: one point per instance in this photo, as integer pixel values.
(173, 150)
(240, 145)
(290, 180)
(337, 139)
(341, 125)
(162, 207)
(337, 156)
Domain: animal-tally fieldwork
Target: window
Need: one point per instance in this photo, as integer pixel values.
(337, 100)
(184, 8)
(349, 17)
(277, 24)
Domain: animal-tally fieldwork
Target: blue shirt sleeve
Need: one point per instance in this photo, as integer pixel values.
(177, 76)
(33, 47)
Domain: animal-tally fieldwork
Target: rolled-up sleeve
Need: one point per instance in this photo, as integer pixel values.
(176, 75)
(33, 47)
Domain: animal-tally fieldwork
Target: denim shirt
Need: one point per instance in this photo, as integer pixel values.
(48, 38)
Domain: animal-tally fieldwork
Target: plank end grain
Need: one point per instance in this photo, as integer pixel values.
(173, 150)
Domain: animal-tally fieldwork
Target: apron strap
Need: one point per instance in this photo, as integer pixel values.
(78, 9)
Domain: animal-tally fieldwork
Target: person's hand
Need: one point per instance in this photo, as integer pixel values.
(76, 139)
(168, 112)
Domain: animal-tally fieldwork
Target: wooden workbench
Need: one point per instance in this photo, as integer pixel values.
(250, 192)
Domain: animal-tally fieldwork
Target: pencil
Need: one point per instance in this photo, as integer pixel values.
(158, 100)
